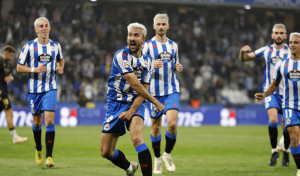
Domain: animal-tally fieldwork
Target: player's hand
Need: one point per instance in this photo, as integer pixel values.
(246, 48)
(178, 67)
(159, 107)
(158, 63)
(8, 79)
(40, 69)
(126, 116)
(59, 70)
(259, 96)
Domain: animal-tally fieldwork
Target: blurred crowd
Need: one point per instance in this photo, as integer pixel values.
(209, 40)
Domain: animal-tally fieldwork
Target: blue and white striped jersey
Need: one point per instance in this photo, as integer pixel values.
(164, 80)
(123, 62)
(272, 56)
(34, 54)
(288, 72)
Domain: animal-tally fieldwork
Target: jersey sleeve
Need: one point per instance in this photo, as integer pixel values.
(59, 54)
(259, 52)
(24, 56)
(122, 63)
(277, 75)
(148, 77)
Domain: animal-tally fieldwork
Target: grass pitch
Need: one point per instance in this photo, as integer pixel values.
(199, 151)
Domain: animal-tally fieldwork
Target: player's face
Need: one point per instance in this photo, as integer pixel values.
(135, 40)
(43, 29)
(161, 26)
(294, 44)
(279, 35)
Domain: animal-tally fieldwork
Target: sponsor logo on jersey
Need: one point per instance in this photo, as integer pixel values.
(165, 56)
(44, 58)
(138, 71)
(275, 59)
(294, 75)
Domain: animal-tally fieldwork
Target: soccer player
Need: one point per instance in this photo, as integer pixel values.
(272, 54)
(288, 72)
(165, 87)
(42, 59)
(128, 86)
(6, 77)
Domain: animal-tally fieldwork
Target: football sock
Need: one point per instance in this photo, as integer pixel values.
(50, 135)
(286, 138)
(144, 159)
(120, 160)
(156, 145)
(170, 142)
(273, 134)
(13, 132)
(296, 155)
(37, 132)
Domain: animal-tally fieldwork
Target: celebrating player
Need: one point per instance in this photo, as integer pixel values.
(127, 88)
(288, 72)
(165, 87)
(6, 77)
(43, 59)
(272, 54)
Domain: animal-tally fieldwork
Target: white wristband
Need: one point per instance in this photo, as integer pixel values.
(32, 70)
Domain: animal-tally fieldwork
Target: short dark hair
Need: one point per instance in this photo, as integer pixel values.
(9, 48)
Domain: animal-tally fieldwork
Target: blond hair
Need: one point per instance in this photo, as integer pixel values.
(137, 26)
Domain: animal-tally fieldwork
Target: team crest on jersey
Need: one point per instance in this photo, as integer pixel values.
(44, 58)
(165, 56)
(125, 64)
(146, 62)
(106, 127)
(138, 71)
(171, 45)
(294, 75)
(32, 110)
(52, 48)
(275, 59)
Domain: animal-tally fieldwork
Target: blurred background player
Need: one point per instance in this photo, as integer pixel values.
(44, 60)
(288, 70)
(5, 78)
(165, 87)
(128, 87)
(272, 54)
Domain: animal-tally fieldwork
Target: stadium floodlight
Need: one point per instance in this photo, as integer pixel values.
(93, 0)
(247, 7)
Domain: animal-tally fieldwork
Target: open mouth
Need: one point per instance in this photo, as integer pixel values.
(132, 44)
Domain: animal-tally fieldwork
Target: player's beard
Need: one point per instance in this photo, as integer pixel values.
(279, 42)
(135, 49)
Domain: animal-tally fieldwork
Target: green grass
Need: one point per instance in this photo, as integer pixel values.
(202, 151)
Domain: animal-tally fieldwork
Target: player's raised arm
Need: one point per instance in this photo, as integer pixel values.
(246, 54)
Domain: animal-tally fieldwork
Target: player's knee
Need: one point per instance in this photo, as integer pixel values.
(172, 126)
(136, 140)
(294, 139)
(105, 153)
(273, 120)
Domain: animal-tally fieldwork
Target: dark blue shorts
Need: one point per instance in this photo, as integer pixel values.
(170, 101)
(291, 117)
(274, 101)
(40, 102)
(112, 124)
